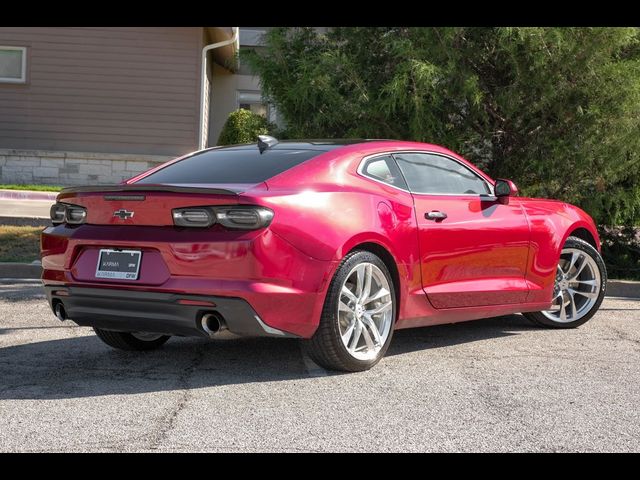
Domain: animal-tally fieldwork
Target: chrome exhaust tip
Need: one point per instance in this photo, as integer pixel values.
(212, 323)
(60, 312)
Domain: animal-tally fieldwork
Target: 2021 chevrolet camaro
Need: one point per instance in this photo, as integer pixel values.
(337, 243)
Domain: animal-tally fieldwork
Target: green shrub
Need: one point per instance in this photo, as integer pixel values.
(621, 252)
(243, 126)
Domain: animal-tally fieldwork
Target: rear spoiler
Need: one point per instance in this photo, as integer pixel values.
(146, 188)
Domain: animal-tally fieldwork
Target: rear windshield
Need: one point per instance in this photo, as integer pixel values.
(231, 166)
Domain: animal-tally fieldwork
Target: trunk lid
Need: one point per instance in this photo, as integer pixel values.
(149, 205)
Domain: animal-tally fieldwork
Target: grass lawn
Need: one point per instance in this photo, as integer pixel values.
(19, 244)
(38, 188)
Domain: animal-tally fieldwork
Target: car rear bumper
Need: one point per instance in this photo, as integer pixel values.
(285, 287)
(156, 312)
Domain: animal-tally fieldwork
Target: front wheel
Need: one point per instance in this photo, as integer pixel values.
(136, 341)
(580, 284)
(356, 325)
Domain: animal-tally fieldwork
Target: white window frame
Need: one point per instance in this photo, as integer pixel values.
(252, 38)
(255, 96)
(257, 100)
(23, 77)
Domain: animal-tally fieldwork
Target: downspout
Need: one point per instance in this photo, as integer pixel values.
(203, 80)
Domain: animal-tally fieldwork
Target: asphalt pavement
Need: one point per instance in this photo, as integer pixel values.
(492, 385)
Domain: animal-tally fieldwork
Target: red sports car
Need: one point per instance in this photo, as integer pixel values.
(337, 243)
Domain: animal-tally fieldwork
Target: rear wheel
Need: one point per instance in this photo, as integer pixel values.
(580, 284)
(357, 320)
(136, 341)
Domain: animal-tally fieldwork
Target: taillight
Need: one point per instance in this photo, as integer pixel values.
(245, 218)
(237, 217)
(193, 217)
(57, 212)
(76, 215)
(66, 212)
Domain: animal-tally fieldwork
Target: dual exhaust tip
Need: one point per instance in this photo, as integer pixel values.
(212, 323)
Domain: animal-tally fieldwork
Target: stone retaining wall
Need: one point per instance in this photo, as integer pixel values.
(71, 168)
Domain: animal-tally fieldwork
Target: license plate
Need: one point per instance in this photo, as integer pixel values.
(119, 264)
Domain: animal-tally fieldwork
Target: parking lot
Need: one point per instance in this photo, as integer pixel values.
(492, 385)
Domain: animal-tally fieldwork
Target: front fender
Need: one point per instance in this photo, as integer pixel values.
(551, 223)
(586, 222)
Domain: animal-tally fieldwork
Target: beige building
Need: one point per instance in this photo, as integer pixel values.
(97, 105)
(239, 88)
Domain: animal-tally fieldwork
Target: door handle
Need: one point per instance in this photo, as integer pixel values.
(435, 215)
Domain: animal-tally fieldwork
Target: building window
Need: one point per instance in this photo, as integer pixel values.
(13, 64)
(252, 37)
(253, 102)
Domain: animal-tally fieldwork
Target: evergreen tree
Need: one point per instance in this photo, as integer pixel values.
(555, 109)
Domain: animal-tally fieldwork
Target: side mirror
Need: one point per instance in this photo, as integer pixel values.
(505, 188)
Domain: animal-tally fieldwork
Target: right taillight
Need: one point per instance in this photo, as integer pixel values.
(236, 217)
(193, 217)
(244, 218)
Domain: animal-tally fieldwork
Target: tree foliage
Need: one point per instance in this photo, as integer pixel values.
(555, 109)
(243, 126)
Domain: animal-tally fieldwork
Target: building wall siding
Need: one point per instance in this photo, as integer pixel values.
(130, 90)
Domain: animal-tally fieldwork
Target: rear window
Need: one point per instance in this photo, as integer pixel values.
(231, 166)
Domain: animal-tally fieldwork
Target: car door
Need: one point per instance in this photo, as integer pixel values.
(473, 246)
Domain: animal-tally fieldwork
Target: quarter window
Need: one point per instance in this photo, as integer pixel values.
(385, 170)
(436, 174)
(13, 64)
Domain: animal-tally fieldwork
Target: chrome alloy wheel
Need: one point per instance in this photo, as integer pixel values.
(365, 311)
(576, 288)
(146, 336)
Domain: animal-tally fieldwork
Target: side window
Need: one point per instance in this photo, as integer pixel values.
(384, 169)
(428, 173)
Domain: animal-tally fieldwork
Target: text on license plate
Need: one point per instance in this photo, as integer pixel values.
(119, 264)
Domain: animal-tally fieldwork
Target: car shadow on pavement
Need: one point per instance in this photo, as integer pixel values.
(440, 336)
(81, 366)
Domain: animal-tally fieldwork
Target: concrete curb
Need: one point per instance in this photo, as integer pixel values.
(615, 288)
(27, 195)
(25, 221)
(623, 288)
(20, 270)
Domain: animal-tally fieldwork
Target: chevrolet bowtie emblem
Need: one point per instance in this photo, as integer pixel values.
(123, 214)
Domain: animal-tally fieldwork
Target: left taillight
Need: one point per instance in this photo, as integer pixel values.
(57, 212)
(67, 213)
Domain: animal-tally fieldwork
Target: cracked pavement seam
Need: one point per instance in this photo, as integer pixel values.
(166, 422)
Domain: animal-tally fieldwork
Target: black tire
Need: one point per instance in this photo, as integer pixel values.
(126, 341)
(325, 347)
(574, 242)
